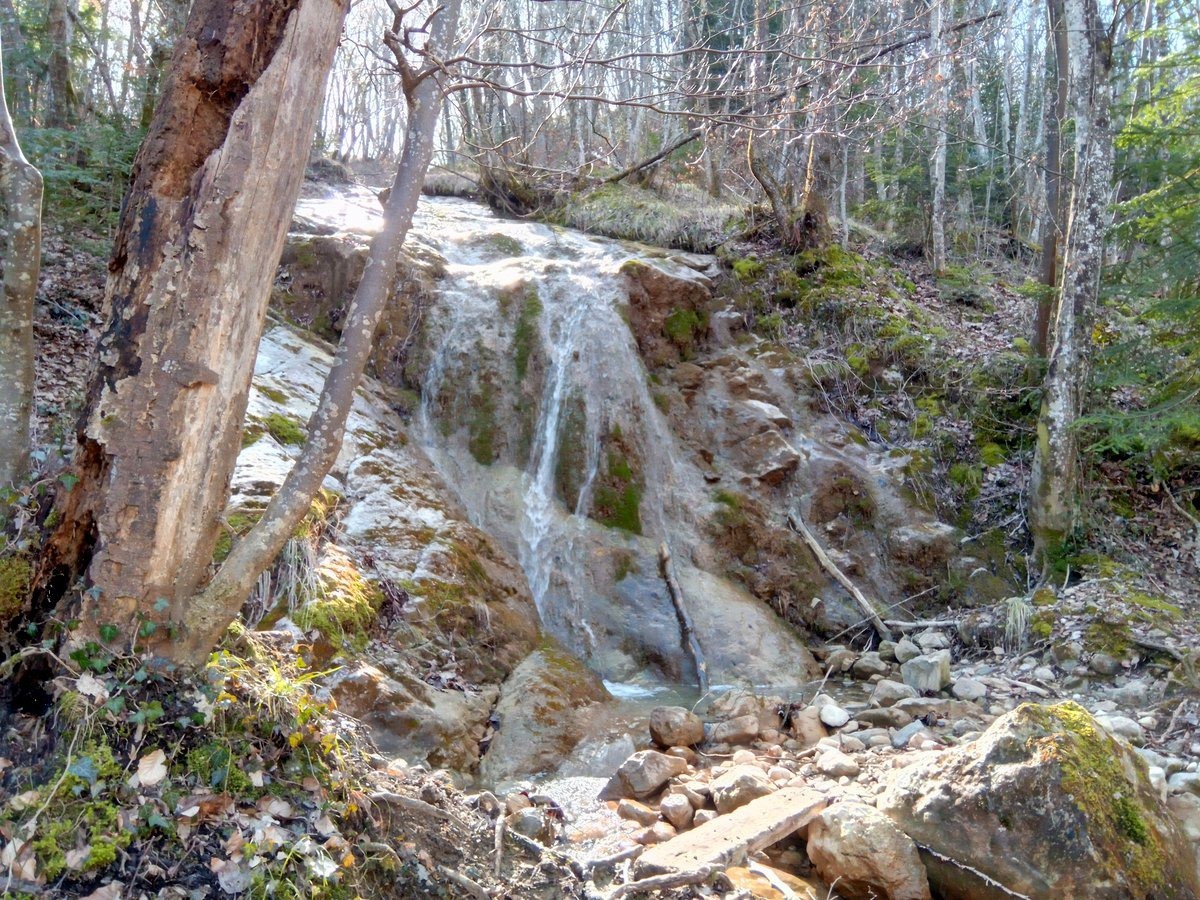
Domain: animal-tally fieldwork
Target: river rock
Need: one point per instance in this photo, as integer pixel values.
(929, 641)
(888, 692)
(968, 689)
(906, 650)
(807, 727)
(642, 775)
(837, 764)
(678, 811)
(1123, 727)
(674, 726)
(929, 673)
(833, 716)
(742, 730)
(1104, 664)
(636, 812)
(739, 786)
(658, 833)
(858, 849)
(868, 665)
(1045, 804)
(887, 717)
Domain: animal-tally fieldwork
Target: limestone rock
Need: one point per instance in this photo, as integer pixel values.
(869, 664)
(539, 713)
(906, 650)
(807, 727)
(858, 849)
(739, 786)
(833, 716)
(1046, 804)
(658, 833)
(674, 726)
(929, 673)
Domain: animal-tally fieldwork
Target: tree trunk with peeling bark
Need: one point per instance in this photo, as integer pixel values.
(20, 261)
(203, 225)
(211, 612)
(1054, 493)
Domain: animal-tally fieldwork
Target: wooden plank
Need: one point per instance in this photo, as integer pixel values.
(727, 840)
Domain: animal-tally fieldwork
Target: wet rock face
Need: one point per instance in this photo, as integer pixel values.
(541, 713)
(1045, 804)
(668, 315)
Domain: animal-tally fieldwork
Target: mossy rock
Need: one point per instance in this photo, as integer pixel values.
(1045, 804)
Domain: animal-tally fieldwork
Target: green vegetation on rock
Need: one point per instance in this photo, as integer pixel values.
(285, 429)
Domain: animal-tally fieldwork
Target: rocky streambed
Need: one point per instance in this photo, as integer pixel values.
(483, 584)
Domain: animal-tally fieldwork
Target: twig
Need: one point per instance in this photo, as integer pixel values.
(921, 623)
(831, 567)
(498, 846)
(658, 882)
(471, 887)
(660, 155)
(606, 862)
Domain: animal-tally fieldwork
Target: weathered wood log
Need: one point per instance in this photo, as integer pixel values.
(657, 157)
(686, 627)
(798, 526)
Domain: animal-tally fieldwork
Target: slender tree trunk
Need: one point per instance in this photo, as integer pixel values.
(212, 194)
(1054, 481)
(20, 259)
(14, 42)
(1052, 218)
(212, 610)
(937, 241)
(61, 111)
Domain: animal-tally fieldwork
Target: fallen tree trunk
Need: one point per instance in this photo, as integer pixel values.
(686, 626)
(657, 157)
(797, 525)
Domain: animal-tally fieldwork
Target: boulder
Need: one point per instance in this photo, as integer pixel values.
(642, 775)
(1044, 804)
(858, 849)
(929, 673)
(674, 726)
(542, 714)
(739, 786)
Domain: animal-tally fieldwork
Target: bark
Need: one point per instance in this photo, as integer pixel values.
(1054, 480)
(202, 228)
(213, 609)
(937, 229)
(20, 259)
(1052, 218)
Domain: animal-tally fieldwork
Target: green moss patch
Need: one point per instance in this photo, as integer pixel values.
(526, 334)
(285, 429)
(15, 576)
(345, 604)
(617, 499)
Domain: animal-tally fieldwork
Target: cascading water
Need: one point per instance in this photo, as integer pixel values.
(538, 411)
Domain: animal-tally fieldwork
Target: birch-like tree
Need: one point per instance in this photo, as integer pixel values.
(20, 260)
(1054, 494)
